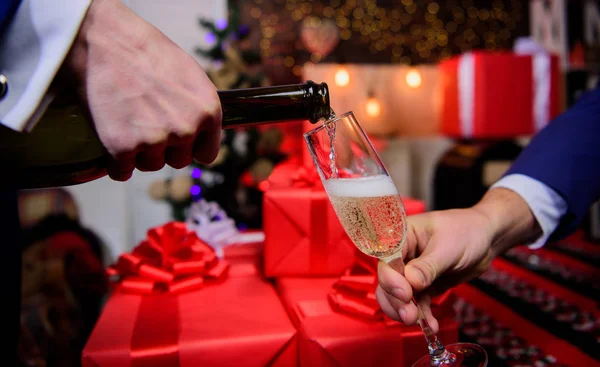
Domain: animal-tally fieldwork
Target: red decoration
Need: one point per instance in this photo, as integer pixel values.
(331, 338)
(159, 316)
(171, 259)
(493, 94)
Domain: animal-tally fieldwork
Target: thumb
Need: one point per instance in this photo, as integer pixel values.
(423, 270)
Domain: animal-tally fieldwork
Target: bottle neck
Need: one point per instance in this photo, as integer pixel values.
(243, 107)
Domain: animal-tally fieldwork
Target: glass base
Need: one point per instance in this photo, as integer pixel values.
(467, 355)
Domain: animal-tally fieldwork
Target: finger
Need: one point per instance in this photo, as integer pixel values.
(179, 155)
(406, 311)
(425, 307)
(395, 309)
(206, 146)
(208, 141)
(151, 158)
(423, 270)
(393, 282)
(385, 305)
(121, 168)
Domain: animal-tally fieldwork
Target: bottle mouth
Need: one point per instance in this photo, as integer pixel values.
(320, 106)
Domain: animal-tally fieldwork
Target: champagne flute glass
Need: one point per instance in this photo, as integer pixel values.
(371, 211)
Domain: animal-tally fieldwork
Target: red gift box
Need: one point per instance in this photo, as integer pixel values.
(303, 236)
(498, 94)
(207, 322)
(330, 338)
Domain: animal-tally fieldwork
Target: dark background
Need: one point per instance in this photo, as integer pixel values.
(384, 31)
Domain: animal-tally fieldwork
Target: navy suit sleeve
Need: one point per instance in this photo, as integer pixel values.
(7, 10)
(566, 157)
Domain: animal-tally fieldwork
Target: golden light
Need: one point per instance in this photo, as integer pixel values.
(413, 78)
(373, 108)
(342, 78)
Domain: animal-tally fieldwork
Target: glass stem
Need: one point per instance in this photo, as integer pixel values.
(437, 353)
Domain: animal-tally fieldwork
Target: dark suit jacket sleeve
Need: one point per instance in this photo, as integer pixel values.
(7, 11)
(566, 157)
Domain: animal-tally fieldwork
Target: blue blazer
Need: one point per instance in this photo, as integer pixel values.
(566, 157)
(7, 10)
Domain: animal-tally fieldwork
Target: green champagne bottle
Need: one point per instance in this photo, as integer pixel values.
(63, 149)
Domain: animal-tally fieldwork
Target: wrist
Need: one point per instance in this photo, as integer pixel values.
(511, 220)
(107, 28)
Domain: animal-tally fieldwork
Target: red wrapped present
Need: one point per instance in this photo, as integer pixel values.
(169, 310)
(303, 236)
(330, 338)
(498, 94)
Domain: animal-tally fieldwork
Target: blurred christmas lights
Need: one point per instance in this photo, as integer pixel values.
(342, 78)
(209, 38)
(413, 78)
(221, 24)
(196, 173)
(195, 190)
(426, 32)
(373, 108)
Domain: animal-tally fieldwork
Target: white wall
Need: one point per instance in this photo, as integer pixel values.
(121, 213)
(178, 19)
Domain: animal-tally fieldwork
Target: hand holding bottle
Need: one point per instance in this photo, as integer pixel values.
(151, 103)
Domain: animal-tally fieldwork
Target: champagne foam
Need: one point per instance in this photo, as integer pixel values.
(372, 186)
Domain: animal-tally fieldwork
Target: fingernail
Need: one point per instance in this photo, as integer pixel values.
(402, 314)
(421, 276)
(399, 293)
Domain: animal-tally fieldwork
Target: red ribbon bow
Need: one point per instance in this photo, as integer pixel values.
(171, 259)
(355, 295)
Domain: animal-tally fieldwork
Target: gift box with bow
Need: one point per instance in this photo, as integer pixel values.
(303, 236)
(176, 304)
(354, 333)
(498, 94)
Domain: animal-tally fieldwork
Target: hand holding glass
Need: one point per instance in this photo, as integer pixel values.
(371, 211)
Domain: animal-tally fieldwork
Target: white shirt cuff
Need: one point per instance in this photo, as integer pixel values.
(55, 23)
(546, 205)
